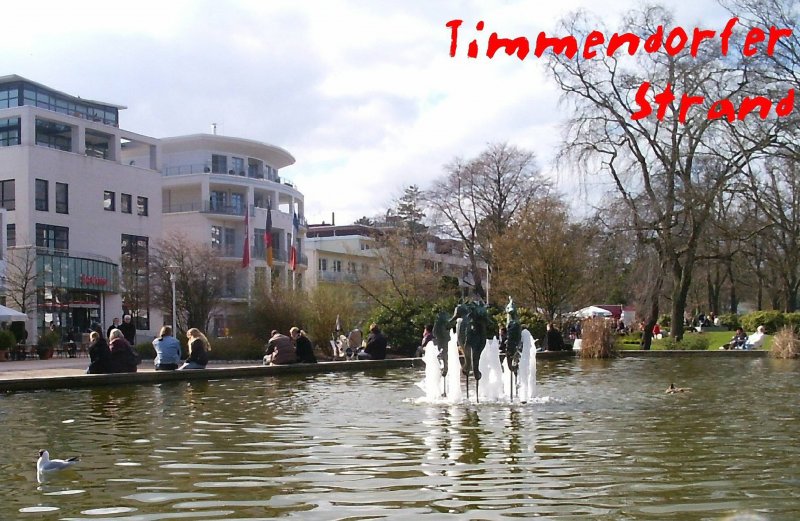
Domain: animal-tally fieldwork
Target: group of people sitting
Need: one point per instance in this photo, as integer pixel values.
(740, 339)
(292, 349)
(117, 355)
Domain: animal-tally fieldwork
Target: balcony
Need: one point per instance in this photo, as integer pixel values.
(253, 171)
(336, 276)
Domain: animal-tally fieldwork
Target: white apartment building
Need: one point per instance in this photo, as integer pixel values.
(212, 186)
(77, 205)
(343, 254)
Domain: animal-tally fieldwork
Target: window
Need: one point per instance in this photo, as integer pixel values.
(52, 237)
(219, 164)
(125, 203)
(9, 130)
(53, 135)
(237, 163)
(11, 235)
(141, 206)
(216, 237)
(337, 266)
(109, 200)
(7, 197)
(62, 198)
(134, 264)
(41, 195)
(323, 265)
(351, 267)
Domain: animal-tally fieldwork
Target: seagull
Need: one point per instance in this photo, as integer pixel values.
(45, 464)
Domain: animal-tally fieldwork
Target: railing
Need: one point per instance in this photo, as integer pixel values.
(208, 168)
(336, 276)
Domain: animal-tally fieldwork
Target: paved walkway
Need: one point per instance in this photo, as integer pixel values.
(23, 369)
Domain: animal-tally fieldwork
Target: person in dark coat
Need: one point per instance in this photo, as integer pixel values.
(123, 359)
(114, 325)
(376, 345)
(302, 346)
(99, 354)
(199, 346)
(553, 339)
(128, 330)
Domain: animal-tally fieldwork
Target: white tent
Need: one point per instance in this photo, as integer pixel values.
(592, 311)
(11, 315)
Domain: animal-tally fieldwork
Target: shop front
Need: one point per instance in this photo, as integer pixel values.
(71, 293)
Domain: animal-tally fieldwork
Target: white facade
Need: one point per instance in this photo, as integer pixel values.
(209, 184)
(69, 195)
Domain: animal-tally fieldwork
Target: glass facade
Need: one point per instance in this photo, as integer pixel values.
(19, 93)
(135, 263)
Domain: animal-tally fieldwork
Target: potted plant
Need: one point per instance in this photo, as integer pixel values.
(7, 342)
(47, 344)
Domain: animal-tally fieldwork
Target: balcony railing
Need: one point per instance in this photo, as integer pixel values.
(336, 276)
(207, 168)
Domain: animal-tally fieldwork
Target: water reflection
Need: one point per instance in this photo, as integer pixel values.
(608, 444)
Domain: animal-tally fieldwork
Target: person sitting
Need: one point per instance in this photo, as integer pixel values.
(168, 350)
(376, 345)
(198, 350)
(280, 350)
(737, 341)
(123, 359)
(302, 346)
(756, 340)
(99, 354)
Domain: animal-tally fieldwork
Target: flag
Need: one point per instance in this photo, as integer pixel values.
(246, 249)
(268, 234)
(295, 233)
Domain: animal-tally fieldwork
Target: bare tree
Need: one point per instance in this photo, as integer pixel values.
(477, 199)
(668, 171)
(199, 277)
(20, 278)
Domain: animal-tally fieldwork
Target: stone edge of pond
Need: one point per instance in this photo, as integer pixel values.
(215, 373)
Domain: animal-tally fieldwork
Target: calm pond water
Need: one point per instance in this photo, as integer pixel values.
(601, 441)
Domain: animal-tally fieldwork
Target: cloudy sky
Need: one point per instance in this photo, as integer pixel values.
(363, 93)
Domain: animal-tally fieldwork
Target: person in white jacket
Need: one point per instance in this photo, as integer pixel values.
(756, 340)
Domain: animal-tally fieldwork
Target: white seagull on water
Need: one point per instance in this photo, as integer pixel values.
(45, 464)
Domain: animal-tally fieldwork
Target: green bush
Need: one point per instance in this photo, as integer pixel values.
(792, 320)
(528, 319)
(49, 339)
(730, 320)
(403, 323)
(241, 347)
(7, 339)
(771, 320)
(690, 342)
(146, 350)
(665, 320)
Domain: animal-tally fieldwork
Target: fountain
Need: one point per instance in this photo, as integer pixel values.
(497, 384)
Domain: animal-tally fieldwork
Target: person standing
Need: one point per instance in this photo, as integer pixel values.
(302, 346)
(198, 350)
(128, 330)
(376, 345)
(123, 359)
(280, 350)
(114, 325)
(553, 339)
(99, 354)
(168, 350)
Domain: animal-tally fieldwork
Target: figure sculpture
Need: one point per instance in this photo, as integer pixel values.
(441, 337)
(514, 341)
(471, 334)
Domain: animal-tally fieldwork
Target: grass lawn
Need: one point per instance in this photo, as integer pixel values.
(715, 339)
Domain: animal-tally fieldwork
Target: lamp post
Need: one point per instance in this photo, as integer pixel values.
(172, 269)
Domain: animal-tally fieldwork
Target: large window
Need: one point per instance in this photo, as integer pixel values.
(141, 205)
(237, 163)
(62, 198)
(7, 197)
(135, 276)
(126, 203)
(323, 265)
(53, 135)
(11, 235)
(109, 201)
(42, 195)
(52, 237)
(219, 164)
(9, 131)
